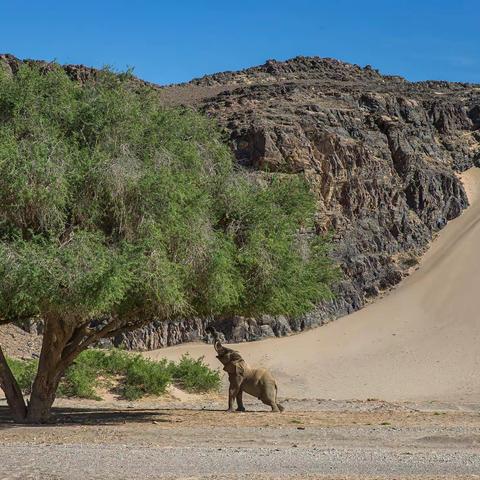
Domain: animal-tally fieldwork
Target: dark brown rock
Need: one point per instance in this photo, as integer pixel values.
(163, 334)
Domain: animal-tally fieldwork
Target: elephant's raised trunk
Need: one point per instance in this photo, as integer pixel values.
(219, 348)
(216, 341)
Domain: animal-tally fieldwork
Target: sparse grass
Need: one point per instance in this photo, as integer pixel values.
(138, 376)
(408, 260)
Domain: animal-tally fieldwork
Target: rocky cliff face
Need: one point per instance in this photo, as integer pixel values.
(381, 154)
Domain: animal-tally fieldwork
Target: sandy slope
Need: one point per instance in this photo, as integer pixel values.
(422, 341)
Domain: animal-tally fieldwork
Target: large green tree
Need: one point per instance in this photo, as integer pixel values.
(115, 211)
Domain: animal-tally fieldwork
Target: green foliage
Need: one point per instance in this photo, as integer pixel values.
(80, 380)
(136, 375)
(111, 204)
(24, 371)
(144, 376)
(194, 375)
(113, 362)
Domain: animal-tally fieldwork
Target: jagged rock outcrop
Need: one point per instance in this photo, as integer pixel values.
(162, 334)
(381, 153)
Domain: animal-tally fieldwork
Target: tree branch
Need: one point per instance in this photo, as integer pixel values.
(110, 330)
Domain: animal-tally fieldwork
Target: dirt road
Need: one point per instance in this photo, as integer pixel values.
(313, 439)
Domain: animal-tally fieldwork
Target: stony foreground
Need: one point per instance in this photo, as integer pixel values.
(313, 439)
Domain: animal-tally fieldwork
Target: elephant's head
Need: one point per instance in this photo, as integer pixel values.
(231, 359)
(226, 355)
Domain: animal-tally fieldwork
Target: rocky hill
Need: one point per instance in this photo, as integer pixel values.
(382, 155)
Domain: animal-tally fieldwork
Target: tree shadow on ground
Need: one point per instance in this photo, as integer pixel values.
(91, 416)
(113, 416)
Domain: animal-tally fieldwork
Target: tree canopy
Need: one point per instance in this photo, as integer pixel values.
(112, 205)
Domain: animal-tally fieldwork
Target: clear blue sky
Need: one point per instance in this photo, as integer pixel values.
(174, 41)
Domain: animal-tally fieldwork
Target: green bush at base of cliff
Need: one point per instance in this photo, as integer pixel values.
(130, 376)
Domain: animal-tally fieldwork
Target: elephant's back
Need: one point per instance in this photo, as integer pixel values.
(258, 382)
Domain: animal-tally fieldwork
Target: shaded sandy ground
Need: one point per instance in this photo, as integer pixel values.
(312, 439)
(421, 341)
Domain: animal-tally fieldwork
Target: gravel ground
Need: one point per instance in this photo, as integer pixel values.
(312, 439)
(78, 462)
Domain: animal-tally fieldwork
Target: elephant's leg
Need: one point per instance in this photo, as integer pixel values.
(280, 407)
(269, 398)
(240, 407)
(274, 406)
(271, 403)
(232, 395)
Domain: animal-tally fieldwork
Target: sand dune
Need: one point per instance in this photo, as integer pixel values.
(421, 341)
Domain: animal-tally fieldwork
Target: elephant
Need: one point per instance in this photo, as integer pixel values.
(257, 382)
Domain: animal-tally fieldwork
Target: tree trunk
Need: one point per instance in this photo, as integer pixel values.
(12, 391)
(51, 367)
(42, 397)
(63, 340)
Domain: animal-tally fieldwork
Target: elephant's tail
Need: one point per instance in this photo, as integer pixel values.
(280, 407)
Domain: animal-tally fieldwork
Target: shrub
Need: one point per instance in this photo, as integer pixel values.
(194, 375)
(24, 371)
(116, 361)
(110, 362)
(137, 376)
(145, 377)
(80, 381)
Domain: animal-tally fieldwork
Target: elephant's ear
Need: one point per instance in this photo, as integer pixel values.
(235, 356)
(235, 368)
(235, 364)
(230, 367)
(239, 366)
